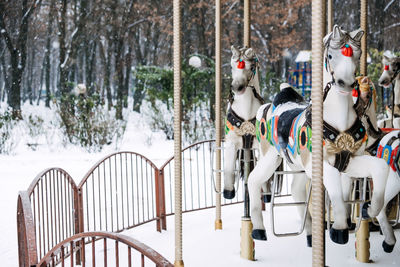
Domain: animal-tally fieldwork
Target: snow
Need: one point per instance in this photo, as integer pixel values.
(303, 56)
(56, 44)
(202, 245)
(195, 61)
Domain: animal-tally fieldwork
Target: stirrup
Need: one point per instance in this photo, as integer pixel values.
(276, 205)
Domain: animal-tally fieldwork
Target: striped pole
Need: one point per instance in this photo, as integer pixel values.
(246, 241)
(247, 20)
(218, 220)
(362, 234)
(318, 232)
(177, 132)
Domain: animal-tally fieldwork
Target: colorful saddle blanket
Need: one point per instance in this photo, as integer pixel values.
(389, 150)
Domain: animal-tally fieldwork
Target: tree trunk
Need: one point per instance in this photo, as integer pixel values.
(107, 71)
(47, 66)
(61, 39)
(119, 66)
(128, 58)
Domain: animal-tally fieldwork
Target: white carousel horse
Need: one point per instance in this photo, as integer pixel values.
(391, 74)
(285, 131)
(386, 146)
(244, 102)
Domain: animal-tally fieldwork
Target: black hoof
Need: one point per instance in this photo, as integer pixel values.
(339, 236)
(364, 210)
(229, 194)
(351, 226)
(309, 241)
(259, 234)
(387, 248)
(267, 198)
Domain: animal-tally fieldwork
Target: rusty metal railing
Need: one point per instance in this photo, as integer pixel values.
(118, 193)
(53, 197)
(121, 191)
(197, 184)
(109, 251)
(27, 251)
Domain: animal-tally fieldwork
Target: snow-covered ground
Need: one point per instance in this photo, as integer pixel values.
(203, 246)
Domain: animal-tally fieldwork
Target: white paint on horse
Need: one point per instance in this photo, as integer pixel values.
(339, 113)
(287, 106)
(393, 181)
(244, 104)
(389, 76)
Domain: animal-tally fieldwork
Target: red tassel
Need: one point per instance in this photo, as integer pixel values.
(386, 67)
(347, 50)
(241, 64)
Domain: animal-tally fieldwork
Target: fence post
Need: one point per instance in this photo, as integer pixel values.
(158, 198)
(78, 218)
(27, 248)
(162, 199)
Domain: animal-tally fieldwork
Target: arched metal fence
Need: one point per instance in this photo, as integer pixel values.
(121, 191)
(102, 249)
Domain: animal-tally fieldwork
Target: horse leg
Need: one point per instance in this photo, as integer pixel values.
(266, 189)
(339, 232)
(261, 173)
(346, 187)
(229, 169)
(299, 193)
(378, 170)
(392, 189)
(396, 123)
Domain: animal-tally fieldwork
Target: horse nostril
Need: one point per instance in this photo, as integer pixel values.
(341, 83)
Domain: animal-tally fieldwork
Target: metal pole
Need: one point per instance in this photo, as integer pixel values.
(246, 241)
(218, 220)
(330, 15)
(247, 19)
(177, 132)
(362, 235)
(363, 22)
(318, 232)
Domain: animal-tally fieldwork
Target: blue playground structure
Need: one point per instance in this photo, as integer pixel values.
(300, 77)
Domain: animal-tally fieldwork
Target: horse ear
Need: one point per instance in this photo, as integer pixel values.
(249, 53)
(357, 35)
(235, 51)
(337, 32)
(385, 60)
(326, 38)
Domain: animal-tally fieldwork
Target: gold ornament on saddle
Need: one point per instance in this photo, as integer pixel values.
(246, 128)
(343, 141)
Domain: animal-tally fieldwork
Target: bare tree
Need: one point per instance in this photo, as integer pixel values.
(15, 40)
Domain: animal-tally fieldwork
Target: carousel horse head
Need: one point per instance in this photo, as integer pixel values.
(244, 63)
(390, 71)
(342, 55)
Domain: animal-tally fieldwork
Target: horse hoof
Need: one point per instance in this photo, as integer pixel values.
(351, 226)
(387, 248)
(267, 198)
(364, 211)
(229, 194)
(259, 234)
(339, 236)
(309, 241)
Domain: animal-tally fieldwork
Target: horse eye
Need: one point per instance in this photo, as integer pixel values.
(330, 56)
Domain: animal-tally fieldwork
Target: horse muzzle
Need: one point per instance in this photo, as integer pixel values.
(238, 88)
(384, 82)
